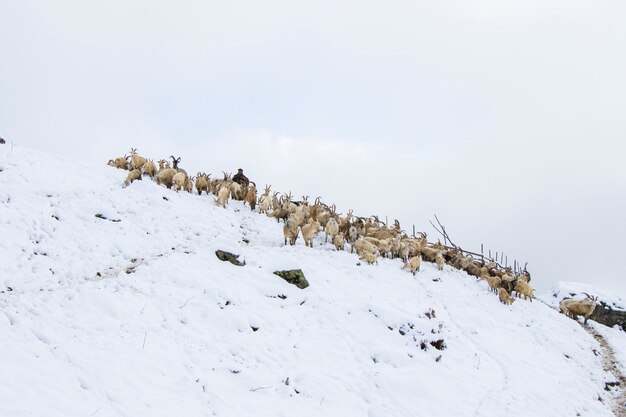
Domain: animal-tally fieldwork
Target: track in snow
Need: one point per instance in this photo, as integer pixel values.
(610, 365)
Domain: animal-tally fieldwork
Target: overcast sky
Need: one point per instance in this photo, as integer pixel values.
(507, 119)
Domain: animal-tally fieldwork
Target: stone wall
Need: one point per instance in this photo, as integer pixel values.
(605, 314)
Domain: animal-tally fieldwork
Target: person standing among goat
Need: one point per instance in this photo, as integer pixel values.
(241, 179)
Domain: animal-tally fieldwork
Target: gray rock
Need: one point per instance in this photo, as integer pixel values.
(295, 277)
(230, 257)
(605, 314)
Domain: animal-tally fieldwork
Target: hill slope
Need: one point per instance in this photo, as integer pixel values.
(133, 315)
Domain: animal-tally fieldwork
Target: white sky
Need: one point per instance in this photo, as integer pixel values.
(507, 119)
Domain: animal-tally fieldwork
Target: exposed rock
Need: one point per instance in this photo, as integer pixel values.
(295, 277)
(2, 141)
(227, 256)
(438, 344)
(103, 217)
(605, 314)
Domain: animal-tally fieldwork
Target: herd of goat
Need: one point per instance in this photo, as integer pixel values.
(368, 237)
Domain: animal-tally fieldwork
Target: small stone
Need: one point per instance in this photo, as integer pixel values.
(295, 277)
(438, 344)
(230, 257)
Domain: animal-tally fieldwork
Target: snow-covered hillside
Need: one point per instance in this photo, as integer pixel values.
(131, 314)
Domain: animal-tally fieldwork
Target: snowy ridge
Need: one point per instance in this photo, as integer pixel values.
(137, 317)
(564, 289)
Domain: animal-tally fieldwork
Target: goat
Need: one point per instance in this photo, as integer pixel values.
(491, 265)
(149, 168)
(216, 183)
(405, 248)
(370, 258)
(505, 297)
(409, 248)
(165, 176)
(462, 262)
(179, 180)
(395, 247)
(344, 222)
(236, 191)
(133, 175)
(384, 246)
(314, 210)
(325, 214)
(493, 282)
(413, 264)
(265, 202)
(163, 164)
(286, 203)
(524, 276)
(120, 162)
(440, 261)
(189, 184)
(338, 241)
(574, 308)
(524, 289)
(309, 231)
(300, 215)
(475, 270)
(290, 231)
(380, 231)
(136, 161)
(175, 162)
(361, 245)
(279, 213)
(508, 282)
(428, 252)
(202, 182)
(222, 195)
(275, 200)
(250, 196)
(332, 228)
(353, 234)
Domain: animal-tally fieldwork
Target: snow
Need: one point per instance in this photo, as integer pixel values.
(616, 340)
(134, 315)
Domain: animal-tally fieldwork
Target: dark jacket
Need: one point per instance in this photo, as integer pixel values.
(241, 179)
